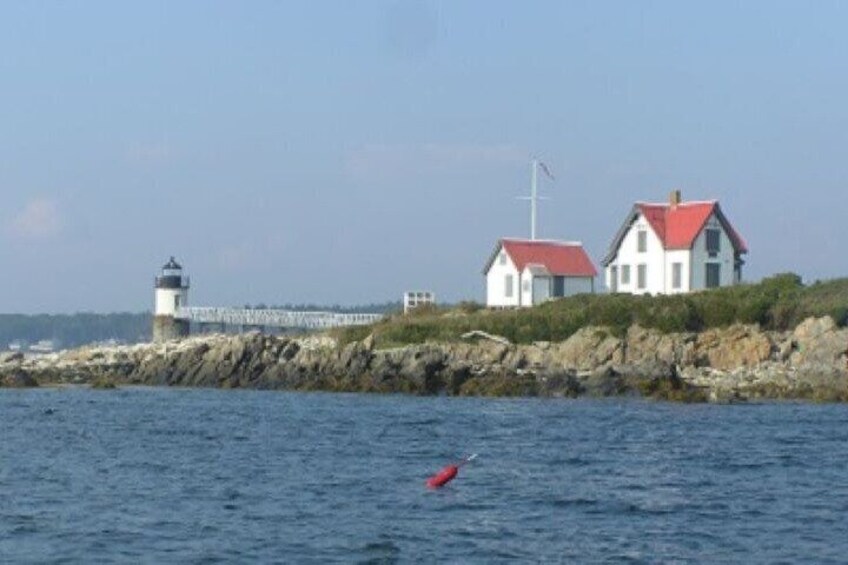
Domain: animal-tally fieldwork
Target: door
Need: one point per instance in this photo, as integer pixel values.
(559, 286)
(541, 289)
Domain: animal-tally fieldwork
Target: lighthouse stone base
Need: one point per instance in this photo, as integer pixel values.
(166, 328)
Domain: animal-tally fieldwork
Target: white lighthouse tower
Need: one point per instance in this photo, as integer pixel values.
(171, 295)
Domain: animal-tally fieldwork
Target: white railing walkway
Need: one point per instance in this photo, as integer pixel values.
(273, 318)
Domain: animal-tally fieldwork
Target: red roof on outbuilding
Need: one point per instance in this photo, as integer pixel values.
(678, 225)
(558, 257)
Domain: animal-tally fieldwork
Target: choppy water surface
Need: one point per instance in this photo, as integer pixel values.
(164, 475)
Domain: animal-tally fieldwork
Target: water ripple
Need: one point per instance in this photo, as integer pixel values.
(206, 476)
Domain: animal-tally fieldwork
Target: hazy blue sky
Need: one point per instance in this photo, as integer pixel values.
(342, 152)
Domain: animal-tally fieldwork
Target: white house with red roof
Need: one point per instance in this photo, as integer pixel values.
(674, 247)
(525, 272)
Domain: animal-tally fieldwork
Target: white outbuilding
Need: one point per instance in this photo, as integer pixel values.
(412, 299)
(674, 247)
(526, 272)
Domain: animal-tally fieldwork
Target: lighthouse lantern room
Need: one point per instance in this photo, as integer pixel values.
(171, 295)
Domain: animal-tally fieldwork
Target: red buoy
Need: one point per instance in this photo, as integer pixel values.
(447, 474)
(443, 477)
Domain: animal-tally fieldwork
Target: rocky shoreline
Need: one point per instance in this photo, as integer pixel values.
(730, 364)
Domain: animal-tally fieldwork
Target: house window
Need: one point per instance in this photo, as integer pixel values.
(713, 242)
(642, 238)
(526, 286)
(642, 277)
(676, 275)
(502, 258)
(613, 278)
(176, 302)
(713, 275)
(625, 274)
(508, 286)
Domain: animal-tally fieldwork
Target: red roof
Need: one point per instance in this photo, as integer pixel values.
(677, 226)
(558, 257)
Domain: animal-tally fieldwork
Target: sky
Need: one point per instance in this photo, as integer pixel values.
(338, 152)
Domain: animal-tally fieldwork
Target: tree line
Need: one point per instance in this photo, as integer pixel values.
(72, 330)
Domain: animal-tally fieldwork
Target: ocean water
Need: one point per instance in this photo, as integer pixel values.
(156, 475)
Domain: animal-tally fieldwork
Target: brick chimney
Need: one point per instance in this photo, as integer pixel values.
(674, 198)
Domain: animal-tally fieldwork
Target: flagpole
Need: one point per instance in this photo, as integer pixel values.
(533, 198)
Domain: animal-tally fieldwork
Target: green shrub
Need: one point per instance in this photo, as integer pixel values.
(778, 302)
(469, 307)
(350, 334)
(423, 310)
(840, 316)
(717, 311)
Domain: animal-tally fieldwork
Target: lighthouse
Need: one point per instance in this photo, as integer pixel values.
(171, 295)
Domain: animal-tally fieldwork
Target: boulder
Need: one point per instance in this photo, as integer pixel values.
(651, 346)
(18, 379)
(559, 384)
(353, 359)
(730, 348)
(812, 328)
(425, 367)
(485, 352)
(587, 349)
(526, 357)
(11, 357)
(820, 346)
(283, 352)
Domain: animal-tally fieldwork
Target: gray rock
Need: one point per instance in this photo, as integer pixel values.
(18, 379)
(11, 357)
(730, 364)
(586, 350)
(820, 346)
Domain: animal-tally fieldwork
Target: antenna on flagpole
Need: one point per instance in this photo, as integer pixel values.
(534, 197)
